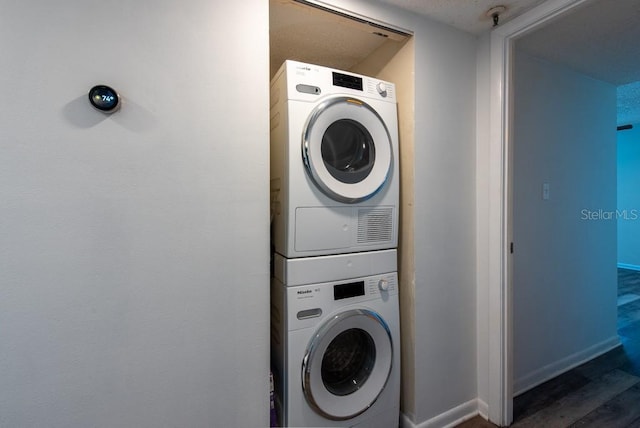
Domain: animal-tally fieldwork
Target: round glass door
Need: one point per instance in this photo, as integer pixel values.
(346, 149)
(350, 355)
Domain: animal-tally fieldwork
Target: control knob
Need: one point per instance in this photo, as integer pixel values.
(383, 285)
(382, 88)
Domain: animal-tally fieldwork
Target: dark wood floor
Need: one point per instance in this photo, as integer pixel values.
(603, 393)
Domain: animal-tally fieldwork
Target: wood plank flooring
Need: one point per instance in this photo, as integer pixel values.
(602, 393)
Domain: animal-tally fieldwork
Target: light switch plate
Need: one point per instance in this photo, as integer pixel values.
(545, 191)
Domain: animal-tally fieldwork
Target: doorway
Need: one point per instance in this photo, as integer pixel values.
(501, 146)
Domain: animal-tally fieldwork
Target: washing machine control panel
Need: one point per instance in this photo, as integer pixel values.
(360, 289)
(306, 304)
(346, 292)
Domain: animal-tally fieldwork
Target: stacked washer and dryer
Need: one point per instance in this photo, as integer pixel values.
(335, 329)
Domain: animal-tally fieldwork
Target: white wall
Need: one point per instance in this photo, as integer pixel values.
(134, 247)
(564, 278)
(629, 197)
(444, 162)
(445, 224)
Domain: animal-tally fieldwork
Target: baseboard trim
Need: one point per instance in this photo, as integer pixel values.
(556, 368)
(628, 266)
(448, 419)
(483, 409)
(405, 421)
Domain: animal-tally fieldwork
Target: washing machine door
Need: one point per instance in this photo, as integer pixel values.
(346, 148)
(347, 364)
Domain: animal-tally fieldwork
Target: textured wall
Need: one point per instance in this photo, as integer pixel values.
(134, 247)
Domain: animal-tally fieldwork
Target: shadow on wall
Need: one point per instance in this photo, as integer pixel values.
(132, 116)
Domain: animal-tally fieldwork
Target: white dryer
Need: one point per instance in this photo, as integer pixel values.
(336, 343)
(334, 162)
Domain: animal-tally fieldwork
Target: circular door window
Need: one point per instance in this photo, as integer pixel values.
(346, 149)
(349, 356)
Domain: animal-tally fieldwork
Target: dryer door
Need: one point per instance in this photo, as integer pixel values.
(346, 149)
(347, 364)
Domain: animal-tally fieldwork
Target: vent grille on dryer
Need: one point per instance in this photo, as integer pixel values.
(375, 225)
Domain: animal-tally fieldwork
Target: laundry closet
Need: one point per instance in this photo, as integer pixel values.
(365, 50)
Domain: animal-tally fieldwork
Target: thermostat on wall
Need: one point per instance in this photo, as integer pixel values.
(104, 98)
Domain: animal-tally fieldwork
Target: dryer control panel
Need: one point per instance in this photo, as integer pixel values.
(307, 82)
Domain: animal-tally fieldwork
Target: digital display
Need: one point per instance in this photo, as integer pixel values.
(104, 98)
(345, 291)
(347, 81)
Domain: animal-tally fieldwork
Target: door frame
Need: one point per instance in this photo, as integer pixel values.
(500, 183)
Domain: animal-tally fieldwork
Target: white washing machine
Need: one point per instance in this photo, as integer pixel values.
(336, 343)
(334, 162)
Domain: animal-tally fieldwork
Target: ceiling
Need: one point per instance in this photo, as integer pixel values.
(599, 39)
(309, 34)
(466, 15)
(303, 33)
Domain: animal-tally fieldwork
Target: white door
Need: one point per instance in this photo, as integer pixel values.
(349, 356)
(346, 149)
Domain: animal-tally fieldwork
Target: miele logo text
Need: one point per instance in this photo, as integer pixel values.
(304, 291)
